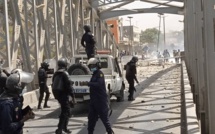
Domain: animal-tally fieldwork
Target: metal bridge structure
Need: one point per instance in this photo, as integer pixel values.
(51, 29)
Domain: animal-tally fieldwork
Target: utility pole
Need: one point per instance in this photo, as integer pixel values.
(164, 35)
(130, 40)
(159, 15)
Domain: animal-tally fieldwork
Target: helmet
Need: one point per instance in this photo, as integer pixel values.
(62, 63)
(87, 27)
(45, 64)
(94, 62)
(17, 81)
(134, 59)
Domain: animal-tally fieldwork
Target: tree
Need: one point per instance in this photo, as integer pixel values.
(150, 35)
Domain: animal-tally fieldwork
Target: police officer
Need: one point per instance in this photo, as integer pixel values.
(98, 98)
(42, 76)
(62, 89)
(3, 77)
(88, 42)
(131, 72)
(12, 117)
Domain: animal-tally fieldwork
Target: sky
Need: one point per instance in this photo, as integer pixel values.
(144, 21)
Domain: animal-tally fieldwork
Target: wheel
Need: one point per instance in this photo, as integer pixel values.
(121, 97)
(78, 69)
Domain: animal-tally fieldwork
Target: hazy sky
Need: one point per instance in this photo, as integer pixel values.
(145, 21)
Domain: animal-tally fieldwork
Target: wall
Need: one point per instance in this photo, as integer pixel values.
(115, 29)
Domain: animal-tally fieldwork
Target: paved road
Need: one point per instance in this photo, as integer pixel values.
(158, 108)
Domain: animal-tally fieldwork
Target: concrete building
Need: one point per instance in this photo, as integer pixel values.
(127, 37)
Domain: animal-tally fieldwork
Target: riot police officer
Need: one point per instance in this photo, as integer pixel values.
(3, 77)
(11, 115)
(131, 72)
(98, 98)
(88, 42)
(42, 76)
(62, 89)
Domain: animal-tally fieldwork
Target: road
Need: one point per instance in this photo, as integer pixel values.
(157, 109)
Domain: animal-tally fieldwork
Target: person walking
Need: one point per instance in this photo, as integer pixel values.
(131, 72)
(62, 89)
(99, 106)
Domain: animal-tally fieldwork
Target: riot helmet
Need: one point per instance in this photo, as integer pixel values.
(17, 81)
(134, 59)
(94, 64)
(45, 64)
(62, 63)
(87, 28)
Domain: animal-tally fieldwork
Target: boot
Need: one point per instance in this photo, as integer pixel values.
(46, 106)
(65, 129)
(110, 132)
(39, 107)
(58, 131)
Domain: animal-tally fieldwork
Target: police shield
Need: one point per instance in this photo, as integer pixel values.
(26, 77)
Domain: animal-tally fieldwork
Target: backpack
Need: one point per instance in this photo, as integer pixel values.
(41, 73)
(57, 85)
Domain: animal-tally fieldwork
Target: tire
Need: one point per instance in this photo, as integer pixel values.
(78, 69)
(121, 98)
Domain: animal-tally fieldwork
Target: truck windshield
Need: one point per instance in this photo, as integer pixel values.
(104, 61)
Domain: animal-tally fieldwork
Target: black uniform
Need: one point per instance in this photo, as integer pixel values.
(62, 89)
(10, 116)
(88, 42)
(3, 79)
(98, 102)
(131, 72)
(42, 75)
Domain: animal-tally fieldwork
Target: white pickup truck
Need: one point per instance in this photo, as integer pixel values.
(80, 73)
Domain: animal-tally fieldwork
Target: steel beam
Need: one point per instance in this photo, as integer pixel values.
(7, 34)
(111, 14)
(209, 22)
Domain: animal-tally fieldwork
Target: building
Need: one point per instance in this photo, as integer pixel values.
(127, 37)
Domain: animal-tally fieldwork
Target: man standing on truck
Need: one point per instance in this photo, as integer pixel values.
(131, 72)
(98, 98)
(88, 42)
(62, 89)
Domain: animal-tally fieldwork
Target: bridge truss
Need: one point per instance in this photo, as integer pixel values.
(43, 29)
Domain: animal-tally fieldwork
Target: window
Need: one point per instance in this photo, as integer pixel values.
(104, 62)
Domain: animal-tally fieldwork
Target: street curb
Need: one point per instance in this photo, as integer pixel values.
(192, 122)
(33, 96)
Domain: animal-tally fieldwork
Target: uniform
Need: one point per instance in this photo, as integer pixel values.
(10, 123)
(11, 113)
(42, 75)
(98, 102)
(131, 72)
(62, 89)
(88, 42)
(2, 82)
(3, 79)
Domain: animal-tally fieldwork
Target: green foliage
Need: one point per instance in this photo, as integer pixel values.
(150, 35)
